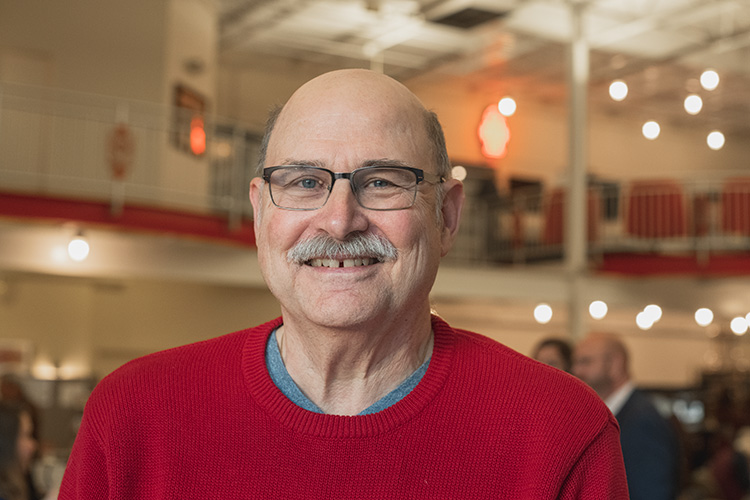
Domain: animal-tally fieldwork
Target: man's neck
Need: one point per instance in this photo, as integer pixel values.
(344, 372)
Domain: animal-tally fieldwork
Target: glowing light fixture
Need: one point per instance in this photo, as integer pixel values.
(739, 325)
(543, 313)
(653, 312)
(704, 316)
(643, 321)
(598, 309)
(715, 140)
(693, 104)
(709, 79)
(618, 90)
(197, 136)
(78, 248)
(458, 172)
(651, 130)
(506, 106)
(494, 133)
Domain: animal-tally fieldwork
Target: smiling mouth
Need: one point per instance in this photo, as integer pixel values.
(359, 262)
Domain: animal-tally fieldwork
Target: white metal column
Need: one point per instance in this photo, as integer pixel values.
(575, 199)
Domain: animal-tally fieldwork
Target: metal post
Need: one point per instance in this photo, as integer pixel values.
(239, 190)
(575, 200)
(117, 195)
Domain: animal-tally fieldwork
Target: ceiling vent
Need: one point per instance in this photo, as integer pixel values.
(468, 17)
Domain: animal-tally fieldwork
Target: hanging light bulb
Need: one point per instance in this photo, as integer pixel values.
(643, 321)
(738, 325)
(506, 106)
(693, 104)
(618, 90)
(704, 316)
(651, 130)
(598, 309)
(78, 248)
(653, 312)
(543, 313)
(459, 172)
(715, 140)
(709, 79)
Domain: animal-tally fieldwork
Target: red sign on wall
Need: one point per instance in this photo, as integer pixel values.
(121, 150)
(494, 133)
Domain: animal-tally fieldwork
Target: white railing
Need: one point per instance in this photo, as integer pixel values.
(66, 144)
(696, 217)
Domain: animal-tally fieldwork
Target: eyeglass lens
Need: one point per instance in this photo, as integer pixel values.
(376, 188)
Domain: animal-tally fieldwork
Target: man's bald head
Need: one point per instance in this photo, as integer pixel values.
(369, 93)
(602, 361)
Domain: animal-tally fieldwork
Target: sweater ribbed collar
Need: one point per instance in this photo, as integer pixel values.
(271, 400)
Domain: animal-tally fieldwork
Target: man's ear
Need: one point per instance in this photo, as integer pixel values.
(256, 199)
(453, 202)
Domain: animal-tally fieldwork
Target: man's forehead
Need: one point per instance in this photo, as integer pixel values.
(352, 96)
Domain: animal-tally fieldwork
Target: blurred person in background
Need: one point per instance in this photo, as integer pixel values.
(650, 446)
(17, 448)
(726, 474)
(554, 352)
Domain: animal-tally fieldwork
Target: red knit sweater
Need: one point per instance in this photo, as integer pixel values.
(205, 421)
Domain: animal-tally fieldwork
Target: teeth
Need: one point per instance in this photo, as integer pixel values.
(345, 263)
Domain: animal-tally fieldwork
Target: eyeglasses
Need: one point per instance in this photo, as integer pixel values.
(303, 187)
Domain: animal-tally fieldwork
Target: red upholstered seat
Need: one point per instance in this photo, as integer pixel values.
(656, 209)
(735, 206)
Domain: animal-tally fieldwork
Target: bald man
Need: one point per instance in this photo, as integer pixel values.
(649, 443)
(357, 390)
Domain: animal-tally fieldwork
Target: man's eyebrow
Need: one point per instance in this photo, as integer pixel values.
(304, 163)
(380, 162)
(385, 162)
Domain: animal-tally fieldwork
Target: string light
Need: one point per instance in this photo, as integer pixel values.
(704, 316)
(651, 130)
(709, 79)
(643, 321)
(506, 106)
(618, 90)
(459, 172)
(693, 104)
(543, 313)
(598, 309)
(738, 325)
(78, 248)
(715, 140)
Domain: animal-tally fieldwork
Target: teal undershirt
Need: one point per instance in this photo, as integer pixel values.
(289, 388)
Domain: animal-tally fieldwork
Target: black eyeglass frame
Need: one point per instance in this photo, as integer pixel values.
(420, 175)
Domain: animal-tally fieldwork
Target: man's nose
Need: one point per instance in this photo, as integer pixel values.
(342, 213)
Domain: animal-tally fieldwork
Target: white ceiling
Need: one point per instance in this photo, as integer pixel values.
(658, 46)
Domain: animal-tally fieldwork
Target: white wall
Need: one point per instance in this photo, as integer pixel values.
(98, 46)
(93, 326)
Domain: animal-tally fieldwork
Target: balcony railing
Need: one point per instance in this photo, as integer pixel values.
(126, 152)
(122, 152)
(687, 217)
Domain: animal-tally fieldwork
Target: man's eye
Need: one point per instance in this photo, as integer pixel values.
(306, 183)
(378, 183)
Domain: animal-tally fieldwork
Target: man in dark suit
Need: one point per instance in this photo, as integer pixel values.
(649, 443)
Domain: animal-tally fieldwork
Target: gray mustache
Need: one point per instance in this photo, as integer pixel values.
(359, 245)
